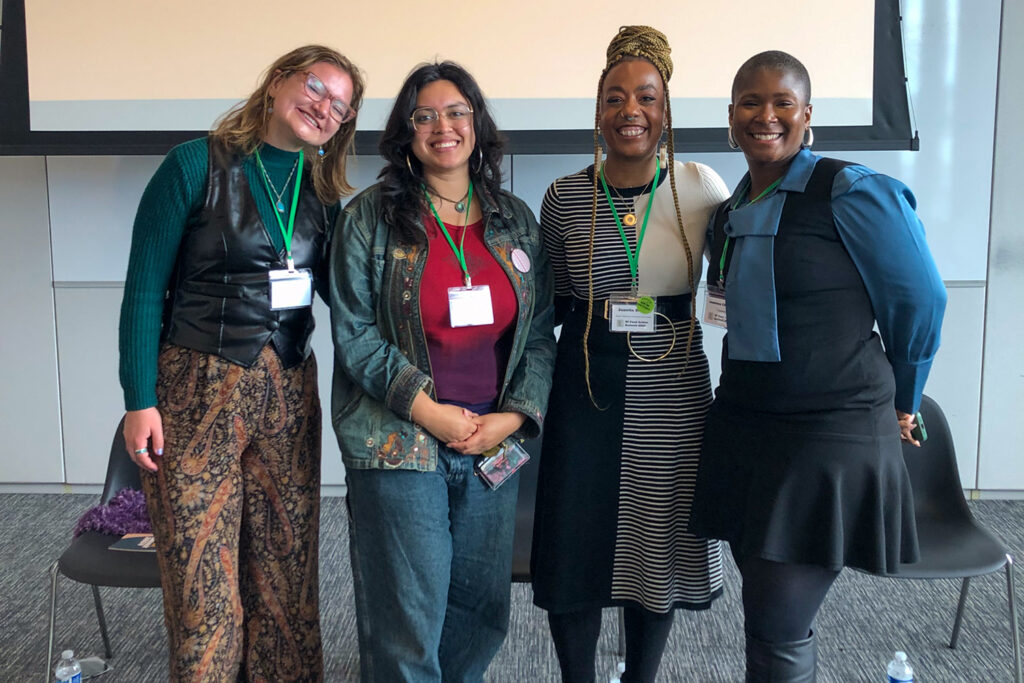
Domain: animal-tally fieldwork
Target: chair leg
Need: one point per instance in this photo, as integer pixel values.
(53, 616)
(1010, 592)
(959, 612)
(103, 622)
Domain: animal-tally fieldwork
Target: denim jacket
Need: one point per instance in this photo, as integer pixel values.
(381, 360)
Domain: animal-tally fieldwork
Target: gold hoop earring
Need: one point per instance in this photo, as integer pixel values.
(408, 165)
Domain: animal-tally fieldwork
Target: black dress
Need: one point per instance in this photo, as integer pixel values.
(802, 461)
(616, 482)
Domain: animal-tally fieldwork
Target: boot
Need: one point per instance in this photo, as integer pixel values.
(792, 662)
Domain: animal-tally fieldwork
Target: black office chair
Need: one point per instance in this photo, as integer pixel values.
(953, 544)
(88, 560)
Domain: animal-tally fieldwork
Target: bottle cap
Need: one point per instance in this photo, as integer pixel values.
(900, 656)
(67, 654)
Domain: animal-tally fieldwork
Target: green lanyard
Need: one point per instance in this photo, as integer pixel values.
(286, 233)
(460, 252)
(735, 205)
(633, 256)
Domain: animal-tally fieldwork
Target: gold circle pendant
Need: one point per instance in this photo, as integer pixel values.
(629, 219)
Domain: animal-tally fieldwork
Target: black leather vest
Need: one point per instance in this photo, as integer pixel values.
(220, 293)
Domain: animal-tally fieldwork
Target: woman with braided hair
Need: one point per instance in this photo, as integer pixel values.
(631, 384)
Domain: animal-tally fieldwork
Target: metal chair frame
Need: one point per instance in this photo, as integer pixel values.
(121, 473)
(939, 501)
(1014, 628)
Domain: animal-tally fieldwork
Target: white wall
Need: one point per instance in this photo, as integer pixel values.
(1002, 466)
(29, 400)
(67, 223)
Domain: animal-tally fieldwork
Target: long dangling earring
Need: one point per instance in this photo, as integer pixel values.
(808, 137)
(408, 165)
(732, 141)
(320, 151)
(663, 149)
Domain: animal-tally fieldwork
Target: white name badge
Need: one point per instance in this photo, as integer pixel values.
(631, 313)
(468, 306)
(714, 307)
(291, 289)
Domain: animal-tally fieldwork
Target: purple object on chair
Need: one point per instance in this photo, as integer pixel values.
(125, 514)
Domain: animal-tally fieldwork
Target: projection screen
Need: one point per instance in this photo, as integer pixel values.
(125, 76)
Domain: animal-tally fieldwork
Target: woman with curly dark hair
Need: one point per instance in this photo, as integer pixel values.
(442, 317)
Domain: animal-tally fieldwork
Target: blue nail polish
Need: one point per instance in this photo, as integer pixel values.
(159, 451)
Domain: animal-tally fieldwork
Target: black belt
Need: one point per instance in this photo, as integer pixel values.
(675, 307)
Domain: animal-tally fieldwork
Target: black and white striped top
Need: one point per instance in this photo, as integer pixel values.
(565, 220)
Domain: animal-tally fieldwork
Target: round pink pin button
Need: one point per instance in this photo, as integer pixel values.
(520, 260)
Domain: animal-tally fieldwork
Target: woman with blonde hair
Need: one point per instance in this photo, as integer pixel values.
(220, 387)
(631, 384)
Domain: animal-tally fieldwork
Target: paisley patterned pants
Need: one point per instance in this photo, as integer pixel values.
(235, 508)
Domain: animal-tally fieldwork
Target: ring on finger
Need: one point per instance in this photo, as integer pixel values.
(141, 451)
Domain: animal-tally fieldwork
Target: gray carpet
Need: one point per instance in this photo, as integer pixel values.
(862, 622)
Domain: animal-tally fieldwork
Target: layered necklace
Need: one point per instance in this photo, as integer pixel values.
(460, 205)
(278, 195)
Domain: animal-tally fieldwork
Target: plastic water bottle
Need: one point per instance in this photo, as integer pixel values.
(899, 670)
(68, 669)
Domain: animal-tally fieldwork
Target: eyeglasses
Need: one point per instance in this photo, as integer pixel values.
(425, 118)
(340, 110)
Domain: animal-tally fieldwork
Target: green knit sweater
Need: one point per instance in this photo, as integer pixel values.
(171, 203)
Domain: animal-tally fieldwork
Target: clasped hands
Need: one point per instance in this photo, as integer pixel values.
(463, 430)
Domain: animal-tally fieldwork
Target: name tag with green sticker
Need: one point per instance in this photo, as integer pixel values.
(628, 312)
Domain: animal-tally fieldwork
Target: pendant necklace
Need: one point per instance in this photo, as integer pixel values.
(629, 218)
(460, 205)
(279, 204)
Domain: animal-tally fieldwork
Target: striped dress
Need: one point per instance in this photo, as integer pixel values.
(616, 479)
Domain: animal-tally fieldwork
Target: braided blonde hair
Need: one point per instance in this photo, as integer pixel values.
(649, 44)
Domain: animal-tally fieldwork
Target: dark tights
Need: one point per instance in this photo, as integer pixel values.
(576, 633)
(781, 600)
(646, 635)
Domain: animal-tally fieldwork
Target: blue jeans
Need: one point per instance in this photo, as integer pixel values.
(431, 564)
